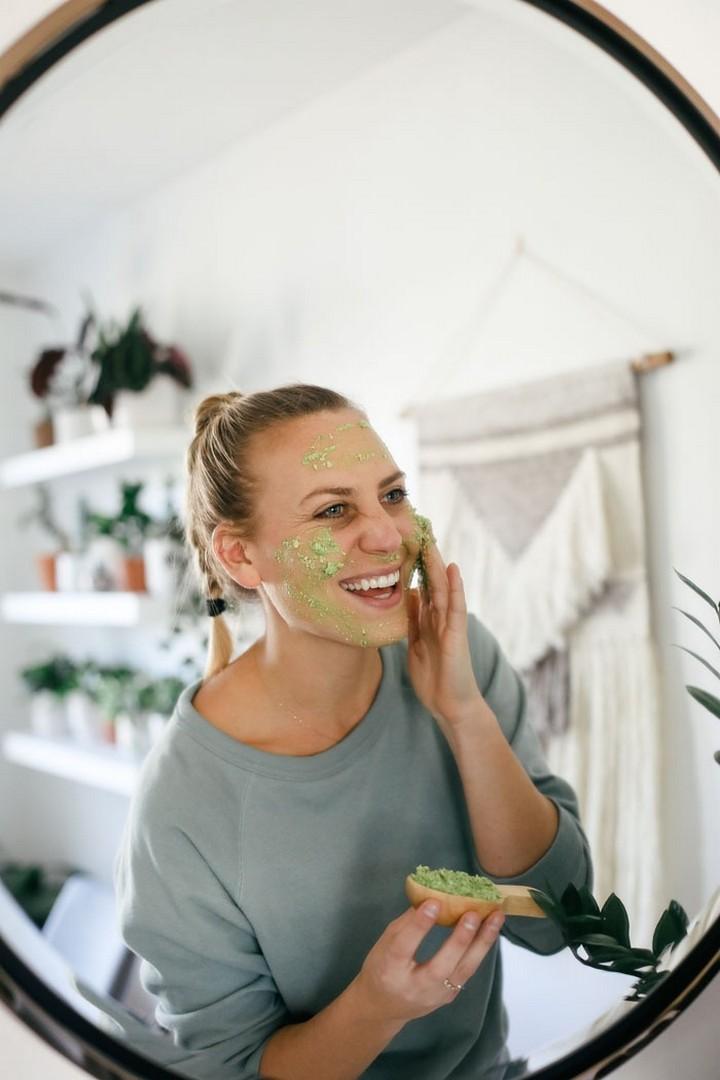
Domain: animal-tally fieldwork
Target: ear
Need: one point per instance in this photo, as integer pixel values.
(231, 551)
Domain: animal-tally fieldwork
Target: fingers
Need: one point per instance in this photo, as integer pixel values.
(413, 601)
(409, 930)
(437, 578)
(463, 952)
(457, 604)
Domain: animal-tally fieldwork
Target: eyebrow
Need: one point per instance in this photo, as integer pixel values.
(351, 491)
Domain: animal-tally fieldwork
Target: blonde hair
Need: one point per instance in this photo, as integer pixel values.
(221, 488)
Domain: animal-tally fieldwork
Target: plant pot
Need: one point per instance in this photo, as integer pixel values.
(43, 434)
(103, 567)
(79, 421)
(68, 571)
(156, 725)
(46, 566)
(47, 715)
(133, 575)
(159, 553)
(84, 720)
(130, 735)
(158, 405)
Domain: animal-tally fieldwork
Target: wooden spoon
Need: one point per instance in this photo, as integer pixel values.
(516, 900)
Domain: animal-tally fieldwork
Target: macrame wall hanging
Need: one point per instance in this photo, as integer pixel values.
(535, 490)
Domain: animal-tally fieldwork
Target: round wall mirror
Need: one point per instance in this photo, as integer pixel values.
(495, 226)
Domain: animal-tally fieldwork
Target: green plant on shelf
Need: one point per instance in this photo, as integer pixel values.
(129, 359)
(58, 676)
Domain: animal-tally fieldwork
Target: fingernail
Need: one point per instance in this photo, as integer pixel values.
(431, 909)
(471, 921)
(495, 922)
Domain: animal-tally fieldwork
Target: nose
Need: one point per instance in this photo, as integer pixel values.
(380, 534)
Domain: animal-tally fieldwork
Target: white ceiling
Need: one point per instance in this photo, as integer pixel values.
(172, 84)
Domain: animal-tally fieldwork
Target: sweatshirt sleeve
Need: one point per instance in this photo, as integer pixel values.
(568, 857)
(200, 957)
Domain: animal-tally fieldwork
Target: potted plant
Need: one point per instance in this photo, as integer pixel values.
(130, 527)
(163, 549)
(84, 717)
(49, 682)
(157, 700)
(104, 558)
(129, 383)
(47, 562)
(61, 378)
(111, 694)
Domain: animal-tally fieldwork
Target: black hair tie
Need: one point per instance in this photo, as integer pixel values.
(215, 607)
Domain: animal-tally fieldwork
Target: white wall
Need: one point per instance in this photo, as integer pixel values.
(351, 244)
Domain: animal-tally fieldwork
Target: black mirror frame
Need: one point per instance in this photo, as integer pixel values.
(73, 22)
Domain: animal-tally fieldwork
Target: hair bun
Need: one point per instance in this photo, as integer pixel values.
(212, 406)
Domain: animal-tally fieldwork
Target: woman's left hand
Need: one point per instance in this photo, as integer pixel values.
(439, 662)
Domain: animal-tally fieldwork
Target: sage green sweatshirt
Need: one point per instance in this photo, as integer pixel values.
(254, 884)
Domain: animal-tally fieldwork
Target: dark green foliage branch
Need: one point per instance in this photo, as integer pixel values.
(600, 937)
(708, 701)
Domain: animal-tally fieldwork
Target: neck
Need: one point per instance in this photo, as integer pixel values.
(316, 677)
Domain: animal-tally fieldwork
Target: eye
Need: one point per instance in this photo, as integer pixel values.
(401, 494)
(327, 514)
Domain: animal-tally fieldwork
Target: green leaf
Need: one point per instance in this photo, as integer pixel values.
(626, 967)
(571, 901)
(671, 928)
(615, 919)
(698, 623)
(702, 661)
(589, 903)
(709, 701)
(699, 591)
(595, 939)
(584, 922)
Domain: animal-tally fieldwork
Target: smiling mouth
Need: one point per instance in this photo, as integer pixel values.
(371, 592)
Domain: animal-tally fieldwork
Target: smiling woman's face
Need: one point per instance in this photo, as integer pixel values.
(332, 518)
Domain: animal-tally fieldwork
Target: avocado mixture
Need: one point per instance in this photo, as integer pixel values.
(423, 537)
(458, 882)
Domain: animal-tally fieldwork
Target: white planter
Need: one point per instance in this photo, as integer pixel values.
(156, 724)
(130, 735)
(47, 715)
(103, 565)
(159, 405)
(160, 555)
(68, 571)
(75, 423)
(84, 719)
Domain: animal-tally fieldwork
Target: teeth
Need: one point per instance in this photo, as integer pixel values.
(382, 582)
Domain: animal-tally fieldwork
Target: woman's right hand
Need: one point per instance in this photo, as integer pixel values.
(391, 985)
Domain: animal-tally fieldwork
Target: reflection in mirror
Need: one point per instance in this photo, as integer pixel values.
(472, 223)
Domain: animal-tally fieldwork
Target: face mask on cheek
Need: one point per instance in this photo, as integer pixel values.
(311, 567)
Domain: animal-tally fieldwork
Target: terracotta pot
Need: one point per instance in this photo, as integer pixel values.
(45, 564)
(43, 433)
(133, 575)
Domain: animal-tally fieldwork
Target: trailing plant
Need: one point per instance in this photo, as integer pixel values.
(43, 514)
(129, 526)
(600, 937)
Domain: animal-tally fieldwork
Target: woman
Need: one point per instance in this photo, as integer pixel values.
(262, 873)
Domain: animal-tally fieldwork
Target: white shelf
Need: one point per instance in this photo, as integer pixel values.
(110, 447)
(100, 767)
(83, 608)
